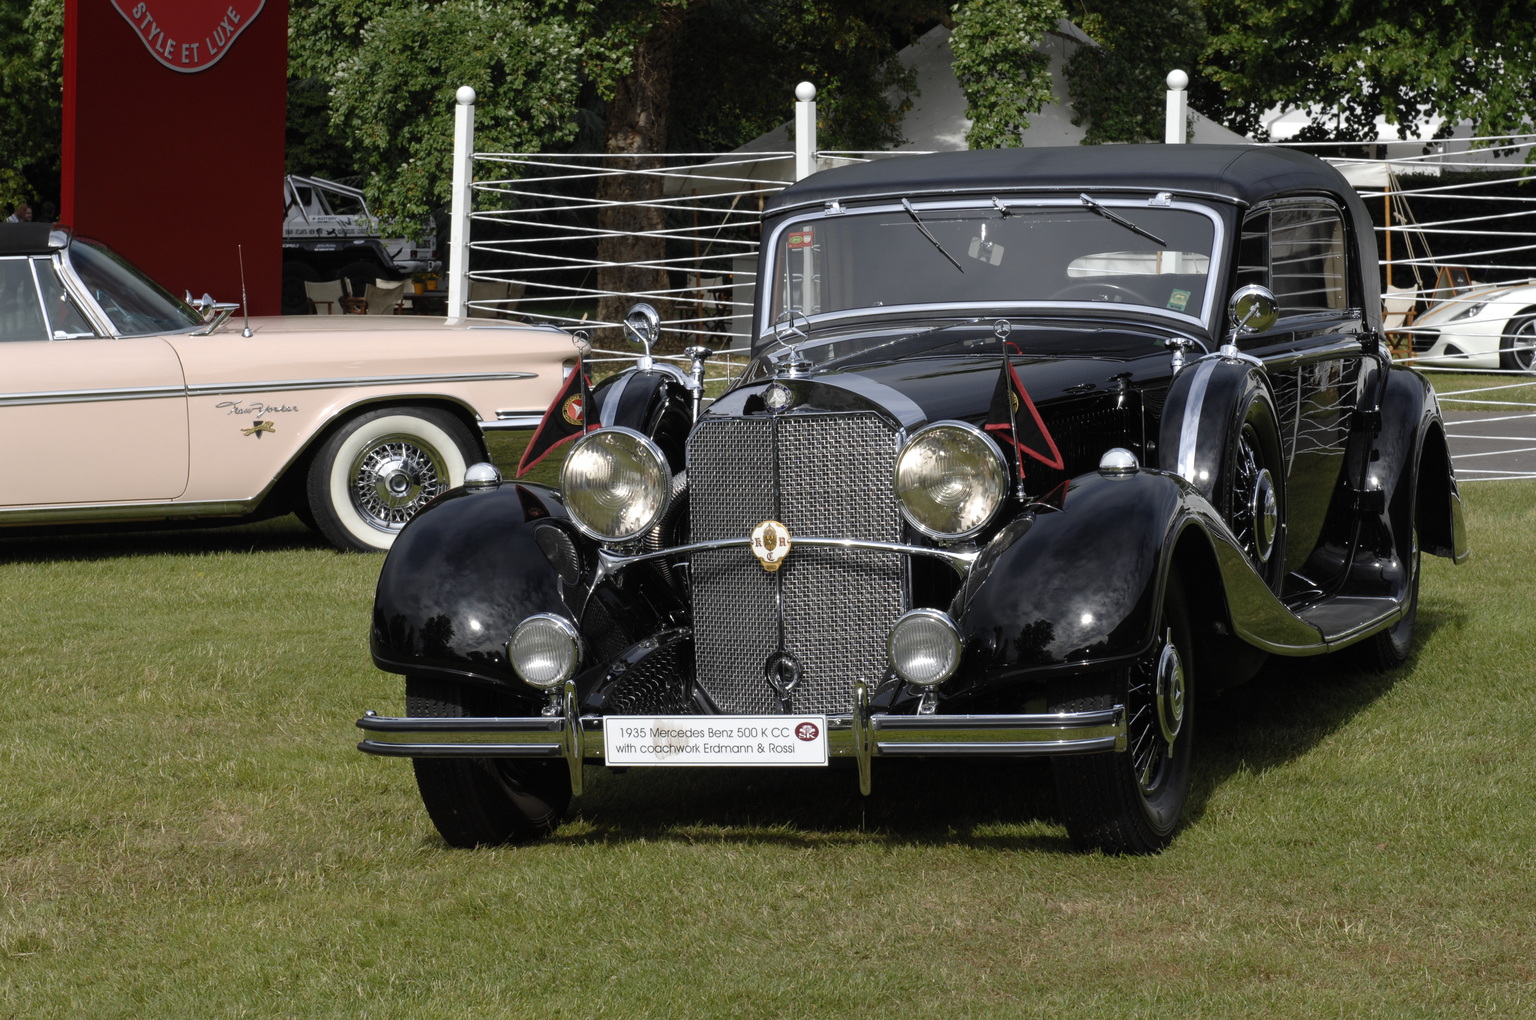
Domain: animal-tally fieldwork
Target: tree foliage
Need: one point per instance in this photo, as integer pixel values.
(31, 80)
(1348, 63)
(1002, 74)
(1118, 86)
(392, 97)
(743, 60)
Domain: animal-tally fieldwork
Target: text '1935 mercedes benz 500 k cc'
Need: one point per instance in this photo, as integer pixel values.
(1037, 449)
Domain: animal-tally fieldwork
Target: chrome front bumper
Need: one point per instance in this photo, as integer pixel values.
(861, 735)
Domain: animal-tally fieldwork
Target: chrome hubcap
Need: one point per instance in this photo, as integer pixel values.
(1265, 511)
(393, 479)
(1158, 711)
(1169, 691)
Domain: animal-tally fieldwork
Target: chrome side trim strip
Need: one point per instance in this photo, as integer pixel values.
(220, 389)
(92, 396)
(508, 421)
(270, 386)
(91, 512)
(1189, 430)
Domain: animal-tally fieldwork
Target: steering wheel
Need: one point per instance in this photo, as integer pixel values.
(1098, 291)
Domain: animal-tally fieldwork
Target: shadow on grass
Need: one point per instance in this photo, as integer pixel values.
(1289, 708)
(1278, 717)
(985, 804)
(90, 542)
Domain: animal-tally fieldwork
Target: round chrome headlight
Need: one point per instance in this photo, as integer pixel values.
(951, 478)
(924, 647)
(545, 650)
(615, 484)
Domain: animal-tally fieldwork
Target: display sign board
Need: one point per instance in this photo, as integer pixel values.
(175, 113)
(189, 35)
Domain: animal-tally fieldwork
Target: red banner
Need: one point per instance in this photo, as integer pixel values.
(188, 35)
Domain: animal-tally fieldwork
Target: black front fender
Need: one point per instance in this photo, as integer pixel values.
(1074, 586)
(459, 579)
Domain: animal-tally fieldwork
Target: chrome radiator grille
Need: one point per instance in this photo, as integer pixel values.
(827, 475)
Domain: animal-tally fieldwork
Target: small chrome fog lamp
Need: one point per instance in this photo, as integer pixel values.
(545, 650)
(924, 647)
(950, 478)
(615, 484)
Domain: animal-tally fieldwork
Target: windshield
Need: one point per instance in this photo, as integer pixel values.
(134, 303)
(991, 254)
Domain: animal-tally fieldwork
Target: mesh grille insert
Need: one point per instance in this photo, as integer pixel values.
(830, 608)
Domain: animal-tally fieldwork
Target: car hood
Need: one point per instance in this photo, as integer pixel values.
(300, 348)
(1457, 307)
(959, 381)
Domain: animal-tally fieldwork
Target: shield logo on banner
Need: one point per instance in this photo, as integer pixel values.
(188, 35)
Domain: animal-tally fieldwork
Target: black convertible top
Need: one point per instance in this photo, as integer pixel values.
(26, 239)
(1241, 174)
(1238, 173)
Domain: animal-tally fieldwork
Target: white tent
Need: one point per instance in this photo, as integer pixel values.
(937, 120)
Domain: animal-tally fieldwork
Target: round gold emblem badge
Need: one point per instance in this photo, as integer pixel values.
(770, 544)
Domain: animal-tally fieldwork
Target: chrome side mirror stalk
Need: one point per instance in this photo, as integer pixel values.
(1252, 309)
(642, 325)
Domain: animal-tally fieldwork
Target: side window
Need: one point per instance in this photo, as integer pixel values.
(1306, 243)
(65, 319)
(1253, 252)
(1297, 250)
(21, 310)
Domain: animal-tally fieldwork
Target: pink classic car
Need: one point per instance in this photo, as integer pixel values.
(120, 402)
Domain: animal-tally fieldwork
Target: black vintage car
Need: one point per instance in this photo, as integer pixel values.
(1037, 449)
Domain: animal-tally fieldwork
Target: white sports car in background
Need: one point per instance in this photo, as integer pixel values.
(1491, 326)
(121, 402)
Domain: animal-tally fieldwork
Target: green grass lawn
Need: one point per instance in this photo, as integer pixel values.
(1484, 391)
(186, 830)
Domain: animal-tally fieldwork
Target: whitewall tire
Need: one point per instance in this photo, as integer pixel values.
(375, 472)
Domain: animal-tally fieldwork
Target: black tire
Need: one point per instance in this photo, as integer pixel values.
(483, 801)
(378, 469)
(295, 297)
(1517, 350)
(1255, 496)
(1132, 802)
(1390, 648)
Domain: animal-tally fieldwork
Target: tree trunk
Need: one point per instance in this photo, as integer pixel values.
(637, 124)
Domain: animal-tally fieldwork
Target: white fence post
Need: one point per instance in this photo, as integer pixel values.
(805, 130)
(1178, 108)
(459, 208)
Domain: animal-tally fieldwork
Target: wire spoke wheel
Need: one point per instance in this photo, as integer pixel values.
(1132, 802)
(394, 478)
(380, 468)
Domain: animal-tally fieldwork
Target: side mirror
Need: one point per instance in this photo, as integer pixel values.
(642, 325)
(1253, 309)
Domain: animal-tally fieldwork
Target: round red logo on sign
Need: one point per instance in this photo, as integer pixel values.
(188, 35)
(807, 731)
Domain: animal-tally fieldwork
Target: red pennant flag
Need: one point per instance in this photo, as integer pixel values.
(565, 419)
(1014, 420)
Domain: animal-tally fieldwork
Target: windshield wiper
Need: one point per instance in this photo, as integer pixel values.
(1127, 224)
(934, 240)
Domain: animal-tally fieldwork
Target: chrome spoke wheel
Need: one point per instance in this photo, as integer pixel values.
(394, 478)
(1156, 717)
(379, 469)
(1256, 507)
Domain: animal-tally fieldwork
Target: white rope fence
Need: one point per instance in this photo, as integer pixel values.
(539, 223)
